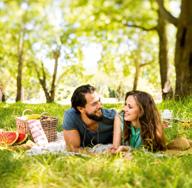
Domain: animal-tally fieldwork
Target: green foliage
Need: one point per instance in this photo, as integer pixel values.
(20, 26)
(74, 25)
(111, 24)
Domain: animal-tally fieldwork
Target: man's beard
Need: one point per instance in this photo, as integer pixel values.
(95, 117)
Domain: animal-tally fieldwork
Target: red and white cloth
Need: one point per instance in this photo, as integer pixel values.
(37, 132)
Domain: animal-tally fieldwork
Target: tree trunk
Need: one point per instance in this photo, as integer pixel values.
(49, 94)
(56, 55)
(3, 99)
(20, 67)
(2, 95)
(43, 82)
(136, 76)
(183, 51)
(167, 91)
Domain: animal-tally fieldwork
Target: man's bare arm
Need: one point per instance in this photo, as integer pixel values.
(72, 139)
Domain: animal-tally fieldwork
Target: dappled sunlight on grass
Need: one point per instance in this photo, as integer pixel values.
(58, 170)
(144, 169)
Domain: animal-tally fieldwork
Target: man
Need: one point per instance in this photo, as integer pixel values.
(86, 123)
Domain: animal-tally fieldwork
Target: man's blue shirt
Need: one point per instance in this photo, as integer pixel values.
(104, 133)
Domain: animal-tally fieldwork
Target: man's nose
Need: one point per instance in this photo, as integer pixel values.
(99, 104)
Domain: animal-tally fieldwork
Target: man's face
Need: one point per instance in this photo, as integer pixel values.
(93, 107)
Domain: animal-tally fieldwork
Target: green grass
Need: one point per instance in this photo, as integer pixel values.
(8, 112)
(58, 170)
(181, 110)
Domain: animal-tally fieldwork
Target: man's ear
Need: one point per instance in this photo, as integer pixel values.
(80, 108)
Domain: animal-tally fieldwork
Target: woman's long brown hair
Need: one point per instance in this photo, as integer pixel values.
(152, 134)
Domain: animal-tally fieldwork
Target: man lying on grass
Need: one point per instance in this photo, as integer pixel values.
(87, 123)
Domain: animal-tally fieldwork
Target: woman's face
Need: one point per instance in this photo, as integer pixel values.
(132, 110)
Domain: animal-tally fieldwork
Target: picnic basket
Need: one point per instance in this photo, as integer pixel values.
(48, 123)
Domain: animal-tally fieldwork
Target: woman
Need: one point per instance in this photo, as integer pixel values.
(139, 124)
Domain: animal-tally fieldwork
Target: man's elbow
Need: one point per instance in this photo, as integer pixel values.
(72, 148)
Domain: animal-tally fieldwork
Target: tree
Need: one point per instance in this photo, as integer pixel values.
(183, 47)
(49, 94)
(167, 91)
(20, 54)
(110, 16)
(2, 94)
(19, 35)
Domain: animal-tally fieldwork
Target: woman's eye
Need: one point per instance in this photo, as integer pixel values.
(130, 107)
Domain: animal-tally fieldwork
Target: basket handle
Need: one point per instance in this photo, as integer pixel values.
(44, 113)
(26, 110)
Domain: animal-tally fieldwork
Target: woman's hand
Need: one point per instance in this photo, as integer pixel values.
(119, 149)
(112, 149)
(122, 149)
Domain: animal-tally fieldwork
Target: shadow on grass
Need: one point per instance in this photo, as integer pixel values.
(10, 169)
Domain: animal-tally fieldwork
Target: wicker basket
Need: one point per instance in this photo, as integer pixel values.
(22, 125)
(49, 125)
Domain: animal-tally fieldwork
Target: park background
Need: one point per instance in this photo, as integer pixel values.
(49, 47)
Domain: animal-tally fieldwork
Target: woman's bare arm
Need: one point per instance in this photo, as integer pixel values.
(117, 132)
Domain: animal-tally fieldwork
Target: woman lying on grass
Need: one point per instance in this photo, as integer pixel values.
(139, 124)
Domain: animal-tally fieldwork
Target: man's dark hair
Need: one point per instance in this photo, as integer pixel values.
(78, 97)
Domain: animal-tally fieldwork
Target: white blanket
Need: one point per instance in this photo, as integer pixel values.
(52, 147)
(59, 146)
